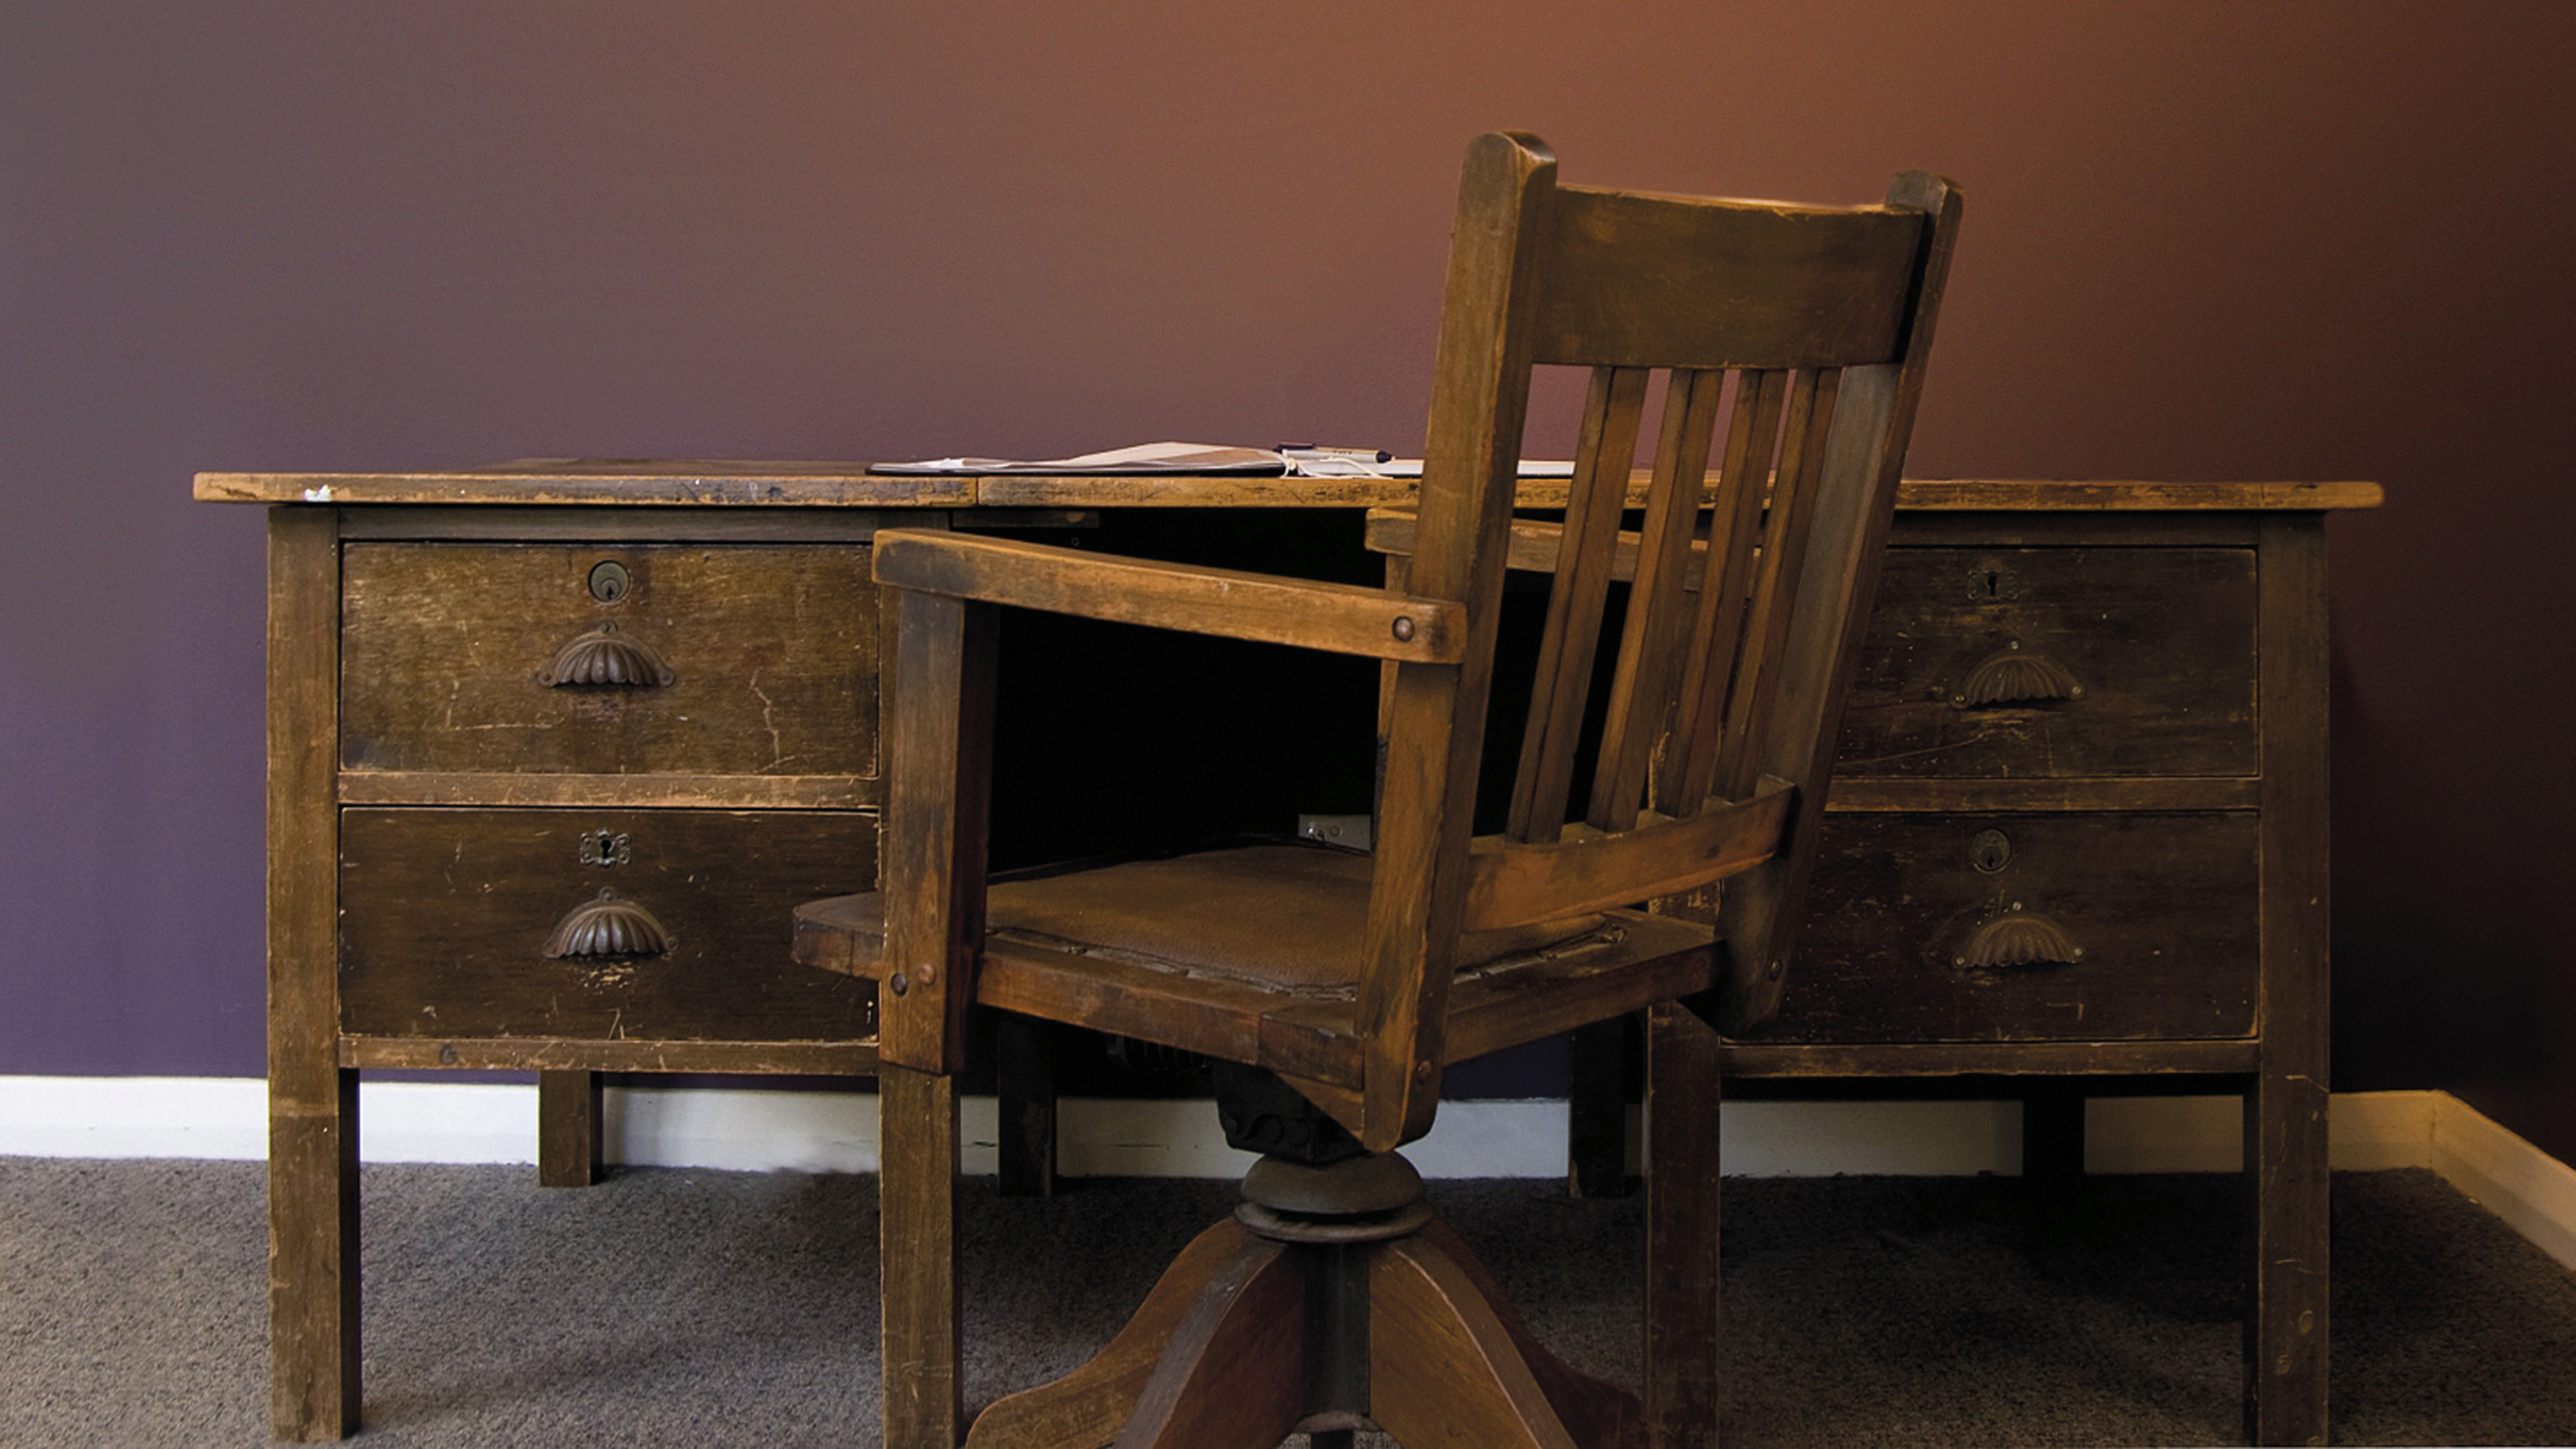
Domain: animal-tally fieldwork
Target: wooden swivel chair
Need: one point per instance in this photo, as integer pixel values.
(1332, 989)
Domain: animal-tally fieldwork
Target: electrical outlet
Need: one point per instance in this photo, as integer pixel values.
(1351, 832)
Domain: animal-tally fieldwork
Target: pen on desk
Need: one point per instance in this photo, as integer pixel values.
(1366, 455)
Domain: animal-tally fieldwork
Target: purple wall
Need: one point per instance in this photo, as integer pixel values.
(2203, 242)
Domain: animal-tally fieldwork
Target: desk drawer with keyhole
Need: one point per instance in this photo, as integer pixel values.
(644, 925)
(2073, 926)
(608, 659)
(2027, 663)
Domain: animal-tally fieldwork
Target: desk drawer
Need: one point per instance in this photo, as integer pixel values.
(608, 659)
(645, 925)
(2056, 662)
(2029, 927)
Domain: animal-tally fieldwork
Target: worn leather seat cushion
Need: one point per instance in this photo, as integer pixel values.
(1284, 916)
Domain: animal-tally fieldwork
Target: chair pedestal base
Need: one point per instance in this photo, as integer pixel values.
(1323, 1322)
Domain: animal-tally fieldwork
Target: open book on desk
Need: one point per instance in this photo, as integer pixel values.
(1207, 458)
(1530, 468)
(1145, 458)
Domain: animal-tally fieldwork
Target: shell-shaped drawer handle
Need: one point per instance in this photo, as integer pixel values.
(2022, 938)
(2014, 675)
(608, 925)
(606, 656)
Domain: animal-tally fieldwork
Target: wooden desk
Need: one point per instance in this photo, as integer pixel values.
(554, 748)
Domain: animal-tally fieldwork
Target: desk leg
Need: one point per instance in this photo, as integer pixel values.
(917, 1222)
(2286, 1104)
(2052, 1133)
(2052, 1156)
(1024, 1067)
(571, 1150)
(1682, 1092)
(313, 1262)
(312, 1100)
(1596, 1107)
(2285, 1107)
(2285, 1320)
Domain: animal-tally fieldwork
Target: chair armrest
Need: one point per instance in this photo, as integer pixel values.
(1339, 618)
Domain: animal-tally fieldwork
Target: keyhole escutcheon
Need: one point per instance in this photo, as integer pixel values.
(608, 581)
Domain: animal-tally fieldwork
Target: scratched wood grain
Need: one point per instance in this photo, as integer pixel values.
(2166, 909)
(2157, 645)
(446, 916)
(445, 649)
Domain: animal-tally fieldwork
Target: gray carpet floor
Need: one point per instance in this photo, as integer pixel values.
(686, 1308)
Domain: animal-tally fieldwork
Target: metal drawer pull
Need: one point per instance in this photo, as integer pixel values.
(2014, 675)
(608, 925)
(605, 656)
(2023, 938)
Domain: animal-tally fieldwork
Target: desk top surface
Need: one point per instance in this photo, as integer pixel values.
(850, 485)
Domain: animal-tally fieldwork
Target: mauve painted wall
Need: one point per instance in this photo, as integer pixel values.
(2206, 239)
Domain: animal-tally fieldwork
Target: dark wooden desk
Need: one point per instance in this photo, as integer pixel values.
(554, 748)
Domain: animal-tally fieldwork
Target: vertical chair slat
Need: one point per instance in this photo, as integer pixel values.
(1576, 602)
(1659, 603)
(1784, 552)
(1735, 525)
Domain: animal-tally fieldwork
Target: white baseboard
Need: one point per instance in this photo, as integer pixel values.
(737, 1130)
(477, 1122)
(216, 1118)
(2534, 1193)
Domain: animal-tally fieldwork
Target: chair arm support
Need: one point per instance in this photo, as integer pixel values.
(1532, 549)
(1512, 884)
(931, 851)
(1339, 618)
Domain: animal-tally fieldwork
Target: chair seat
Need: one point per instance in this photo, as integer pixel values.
(1282, 917)
(1254, 953)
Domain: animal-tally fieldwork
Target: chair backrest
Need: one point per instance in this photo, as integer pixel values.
(1804, 331)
